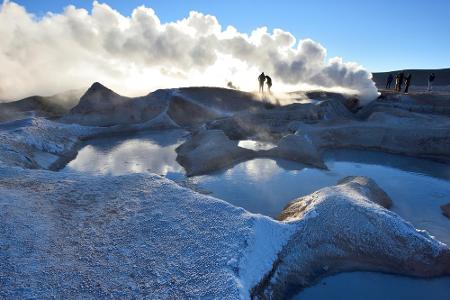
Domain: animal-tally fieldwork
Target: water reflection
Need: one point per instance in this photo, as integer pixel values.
(375, 286)
(256, 145)
(139, 153)
(417, 187)
(265, 186)
(404, 163)
(262, 186)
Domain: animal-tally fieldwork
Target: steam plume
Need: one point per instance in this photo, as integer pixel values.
(137, 54)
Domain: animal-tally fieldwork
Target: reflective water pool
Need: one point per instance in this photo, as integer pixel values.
(256, 145)
(417, 187)
(150, 151)
(376, 286)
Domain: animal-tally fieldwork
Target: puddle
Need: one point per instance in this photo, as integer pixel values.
(256, 145)
(376, 286)
(144, 152)
(417, 187)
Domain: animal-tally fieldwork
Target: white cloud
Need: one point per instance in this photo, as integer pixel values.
(137, 54)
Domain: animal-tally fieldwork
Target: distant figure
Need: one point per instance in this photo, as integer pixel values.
(231, 85)
(399, 81)
(397, 78)
(407, 83)
(269, 83)
(261, 80)
(430, 82)
(389, 81)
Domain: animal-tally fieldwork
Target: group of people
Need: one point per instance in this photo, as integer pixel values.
(264, 78)
(401, 79)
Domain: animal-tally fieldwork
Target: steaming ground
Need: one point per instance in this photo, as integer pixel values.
(68, 235)
(136, 54)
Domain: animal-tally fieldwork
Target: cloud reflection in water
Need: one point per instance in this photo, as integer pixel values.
(151, 152)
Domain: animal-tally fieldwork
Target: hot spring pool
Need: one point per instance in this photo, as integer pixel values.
(417, 187)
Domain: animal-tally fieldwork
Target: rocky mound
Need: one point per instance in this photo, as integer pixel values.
(50, 107)
(274, 123)
(210, 150)
(99, 99)
(349, 101)
(298, 148)
(189, 113)
(187, 107)
(342, 228)
(227, 100)
(423, 103)
(407, 134)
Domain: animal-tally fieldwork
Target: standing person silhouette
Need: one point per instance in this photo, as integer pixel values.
(397, 78)
(389, 81)
(269, 83)
(430, 82)
(401, 77)
(261, 80)
(407, 83)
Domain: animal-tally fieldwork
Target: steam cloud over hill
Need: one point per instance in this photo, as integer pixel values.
(137, 54)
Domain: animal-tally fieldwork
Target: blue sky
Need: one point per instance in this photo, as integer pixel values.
(381, 34)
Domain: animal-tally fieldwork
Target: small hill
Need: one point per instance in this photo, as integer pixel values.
(51, 107)
(99, 98)
(100, 106)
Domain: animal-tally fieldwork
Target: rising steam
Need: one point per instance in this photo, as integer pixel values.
(137, 54)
